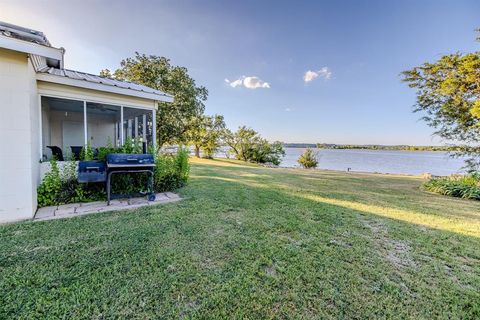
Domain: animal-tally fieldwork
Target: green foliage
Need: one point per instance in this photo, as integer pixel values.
(50, 187)
(87, 152)
(248, 145)
(61, 187)
(308, 159)
(377, 147)
(156, 72)
(448, 93)
(204, 134)
(171, 171)
(264, 152)
(131, 146)
(461, 186)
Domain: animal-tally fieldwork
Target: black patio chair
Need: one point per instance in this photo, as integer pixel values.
(56, 152)
(76, 151)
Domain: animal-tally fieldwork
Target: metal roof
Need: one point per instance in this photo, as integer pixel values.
(25, 34)
(46, 64)
(76, 75)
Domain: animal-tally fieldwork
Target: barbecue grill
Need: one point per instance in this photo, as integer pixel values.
(92, 171)
(130, 163)
(99, 171)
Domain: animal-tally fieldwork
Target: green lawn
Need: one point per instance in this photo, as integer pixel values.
(251, 242)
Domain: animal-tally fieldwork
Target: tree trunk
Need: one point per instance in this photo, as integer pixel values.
(197, 151)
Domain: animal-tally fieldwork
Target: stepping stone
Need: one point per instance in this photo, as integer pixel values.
(159, 197)
(66, 209)
(79, 209)
(137, 201)
(172, 195)
(45, 212)
(91, 207)
(93, 204)
(119, 202)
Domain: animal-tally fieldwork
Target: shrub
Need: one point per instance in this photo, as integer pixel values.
(62, 187)
(48, 190)
(86, 153)
(308, 159)
(265, 152)
(247, 145)
(462, 186)
(171, 171)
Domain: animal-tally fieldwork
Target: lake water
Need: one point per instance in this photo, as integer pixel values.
(401, 162)
(406, 162)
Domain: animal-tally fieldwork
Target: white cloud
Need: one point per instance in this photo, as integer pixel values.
(248, 82)
(311, 75)
(288, 109)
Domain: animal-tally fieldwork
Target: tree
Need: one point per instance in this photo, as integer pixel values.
(173, 119)
(448, 91)
(308, 159)
(241, 141)
(248, 145)
(204, 134)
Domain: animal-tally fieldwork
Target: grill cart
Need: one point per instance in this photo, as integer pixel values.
(130, 163)
(99, 171)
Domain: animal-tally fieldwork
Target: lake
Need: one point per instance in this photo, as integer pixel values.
(406, 162)
(383, 161)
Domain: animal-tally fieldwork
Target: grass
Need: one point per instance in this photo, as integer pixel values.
(251, 242)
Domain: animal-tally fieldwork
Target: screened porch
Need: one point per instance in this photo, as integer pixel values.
(68, 125)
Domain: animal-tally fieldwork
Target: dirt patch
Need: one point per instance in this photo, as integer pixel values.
(396, 252)
(399, 255)
(271, 271)
(341, 243)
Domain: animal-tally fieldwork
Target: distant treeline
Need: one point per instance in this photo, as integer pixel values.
(369, 147)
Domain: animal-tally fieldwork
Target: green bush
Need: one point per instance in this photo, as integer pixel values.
(48, 190)
(62, 187)
(265, 152)
(86, 153)
(462, 186)
(308, 159)
(171, 171)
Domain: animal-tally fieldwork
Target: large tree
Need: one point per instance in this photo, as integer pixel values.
(173, 119)
(248, 145)
(448, 92)
(204, 134)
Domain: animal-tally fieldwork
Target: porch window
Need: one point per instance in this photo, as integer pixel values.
(138, 125)
(68, 125)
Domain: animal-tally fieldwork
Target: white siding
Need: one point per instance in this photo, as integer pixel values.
(19, 161)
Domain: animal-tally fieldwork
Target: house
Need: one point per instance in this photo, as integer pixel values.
(49, 110)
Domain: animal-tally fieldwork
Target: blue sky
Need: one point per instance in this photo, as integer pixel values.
(354, 51)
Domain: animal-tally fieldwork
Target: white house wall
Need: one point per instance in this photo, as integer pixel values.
(20, 120)
(19, 161)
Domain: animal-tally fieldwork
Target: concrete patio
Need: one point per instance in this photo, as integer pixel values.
(78, 209)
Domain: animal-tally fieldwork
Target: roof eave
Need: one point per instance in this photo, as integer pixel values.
(31, 48)
(102, 87)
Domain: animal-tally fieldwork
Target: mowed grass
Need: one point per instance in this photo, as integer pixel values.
(251, 242)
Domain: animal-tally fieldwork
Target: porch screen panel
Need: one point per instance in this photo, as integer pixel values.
(137, 126)
(102, 124)
(62, 122)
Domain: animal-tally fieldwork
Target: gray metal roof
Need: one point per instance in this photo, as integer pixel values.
(76, 75)
(44, 65)
(25, 34)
